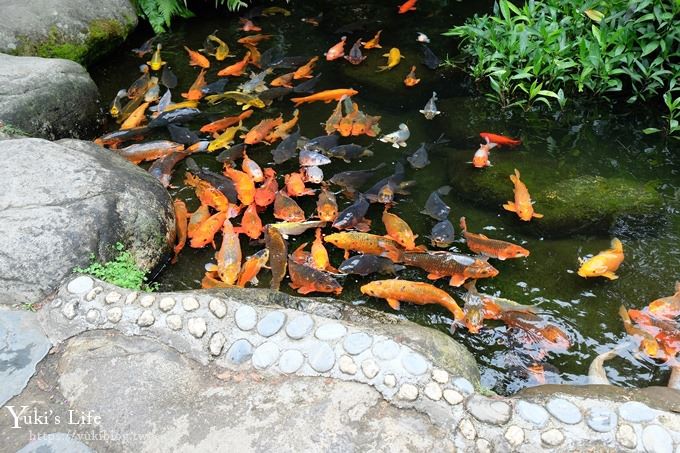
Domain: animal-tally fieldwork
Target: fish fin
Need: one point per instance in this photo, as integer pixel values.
(306, 289)
(610, 275)
(210, 267)
(434, 276)
(363, 226)
(346, 255)
(457, 280)
(463, 224)
(382, 68)
(510, 206)
(394, 303)
(617, 246)
(471, 286)
(254, 281)
(537, 215)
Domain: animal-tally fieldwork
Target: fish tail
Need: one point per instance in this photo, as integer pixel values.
(624, 315)
(617, 246)
(515, 176)
(463, 225)
(382, 68)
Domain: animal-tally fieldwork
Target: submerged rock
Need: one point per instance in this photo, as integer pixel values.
(63, 202)
(78, 30)
(570, 203)
(49, 98)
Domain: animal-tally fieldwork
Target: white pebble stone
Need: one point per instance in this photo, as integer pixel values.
(347, 365)
(291, 361)
(626, 436)
(390, 380)
(165, 304)
(483, 446)
(147, 301)
(218, 308)
(439, 375)
(433, 391)
(197, 327)
(80, 285)
(514, 435)
(408, 392)
(56, 303)
(265, 355)
(114, 314)
(92, 315)
(467, 429)
(370, 368)
(245, 317)
(93, 293)
(453, 397)
(190, 303)
(112, 297)
(216, 344)
(131, 297)
(146, 319)
(330, 331)
(174, 322)
(552, 437)
(69, 309)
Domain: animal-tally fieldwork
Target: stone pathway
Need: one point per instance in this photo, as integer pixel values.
(315, 349)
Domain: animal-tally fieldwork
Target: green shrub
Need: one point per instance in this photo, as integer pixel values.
(160, 13)
(122, 271)
(549, 50)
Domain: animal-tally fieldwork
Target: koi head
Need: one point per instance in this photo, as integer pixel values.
(386, 194)
(481, 269)
(525, 211)
(514, 251)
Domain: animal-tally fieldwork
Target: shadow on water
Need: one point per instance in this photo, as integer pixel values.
(591, 139)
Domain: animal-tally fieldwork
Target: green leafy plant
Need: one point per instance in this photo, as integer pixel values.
(121, 271)
(672, 101)
(549, 50)
(160, 13)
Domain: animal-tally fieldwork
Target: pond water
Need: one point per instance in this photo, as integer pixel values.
(591, 139)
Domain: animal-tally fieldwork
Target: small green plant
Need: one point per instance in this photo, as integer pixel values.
(121, 271)
(672, 100)
(29, 306)
(550, 50)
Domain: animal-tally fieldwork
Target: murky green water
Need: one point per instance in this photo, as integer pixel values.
(591, 140)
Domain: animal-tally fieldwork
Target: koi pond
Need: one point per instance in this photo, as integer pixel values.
(590, 170)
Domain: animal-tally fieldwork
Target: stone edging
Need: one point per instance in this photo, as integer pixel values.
(277, 340)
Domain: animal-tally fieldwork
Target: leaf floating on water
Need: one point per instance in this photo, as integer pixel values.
(594, 15)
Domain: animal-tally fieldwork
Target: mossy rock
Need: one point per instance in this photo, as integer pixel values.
(571, 203)
(78, 30)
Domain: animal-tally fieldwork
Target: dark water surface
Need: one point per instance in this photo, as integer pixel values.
(592, 139)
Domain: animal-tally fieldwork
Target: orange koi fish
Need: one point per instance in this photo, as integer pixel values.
(337, 51)
(255, 55)
(278, 256)
(245, 187)
(248, 25)
(285, 80)
(149, 151)
(228, 256)
(181, 225)
(648, 344)
(493, 248)
(408, 5)
(326, 206)
(222, 124)
(333, 122)
(305, 71)
(197, 59)
(320, 258)
(261, 130)
(211, 280)
(448, 264)
(208, 194)
(195, 92)
(251, 168)
(199, 216)
(251, 224)
(667, 307)
(252, 267)
(253, 40)
(325, 96)
(410, 79)
(136, 118)
(481, 157)
(500, 140)
(204, 233)
(604, 264)
(295, 185)
(305, 279)
(399, 230)
(366, 243)
(301, 256)
(522, 205)
(396, 291)
(266, 193)
(285, 208)
(282, 130)
(548, 335)
(373, 43)
(236, 69)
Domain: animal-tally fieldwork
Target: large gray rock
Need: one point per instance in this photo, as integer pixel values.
(48, 98)
(79, 30)
(63, 202)
(22, 345)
